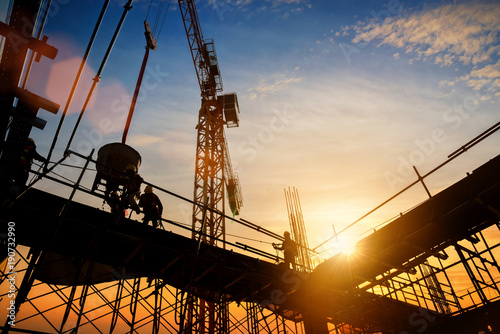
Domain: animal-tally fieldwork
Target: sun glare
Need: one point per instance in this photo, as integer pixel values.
(345, 245)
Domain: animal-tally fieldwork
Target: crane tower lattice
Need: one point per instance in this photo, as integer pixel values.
(213, 171)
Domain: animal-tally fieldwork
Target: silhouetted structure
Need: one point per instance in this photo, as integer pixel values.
(390, 280)
(399, 281)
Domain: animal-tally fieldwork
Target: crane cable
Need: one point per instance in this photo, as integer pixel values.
(158, 18)
(149, 8)
(163, 21)
(160, 8)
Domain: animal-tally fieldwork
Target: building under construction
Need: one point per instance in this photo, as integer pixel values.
(69, 267)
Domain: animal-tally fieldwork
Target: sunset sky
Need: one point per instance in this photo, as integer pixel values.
(338, 99)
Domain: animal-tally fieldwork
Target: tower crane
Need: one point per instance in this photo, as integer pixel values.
(213, 166)
(213, 172)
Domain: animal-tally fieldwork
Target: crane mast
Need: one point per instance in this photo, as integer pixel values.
(209, 175)
(213, 170)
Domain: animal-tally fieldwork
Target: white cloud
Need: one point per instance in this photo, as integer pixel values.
(277, 83)
(143, 140)
(444, 83)
(217, 3)
(465, 34)
(445, 60)
(281, 6)
(287, 2)
(477, 84)
(491, 71)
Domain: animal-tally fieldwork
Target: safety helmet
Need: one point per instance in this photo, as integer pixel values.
(131, 167)
(148, 189)
(286, 233)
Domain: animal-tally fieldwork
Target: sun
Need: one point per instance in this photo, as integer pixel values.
(345, 245)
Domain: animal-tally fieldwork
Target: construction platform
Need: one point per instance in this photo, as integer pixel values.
(456, 213)
(86, 238)
(84, 246)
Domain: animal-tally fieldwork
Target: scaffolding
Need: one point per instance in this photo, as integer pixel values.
(62, 281)
(144, 289)
(88, 270)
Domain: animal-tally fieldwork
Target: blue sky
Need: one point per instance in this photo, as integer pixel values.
(338, 99)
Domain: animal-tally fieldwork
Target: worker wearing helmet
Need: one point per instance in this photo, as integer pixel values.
(132, 188)
(151, 205)
(289, 249)
(21, 172)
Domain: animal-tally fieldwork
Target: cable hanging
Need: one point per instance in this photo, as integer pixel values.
(149, 8)
(160, 8)
(163, 21)
(159, 21)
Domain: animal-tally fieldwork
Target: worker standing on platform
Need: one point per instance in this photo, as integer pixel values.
(151, 205)
(28, 154)
(289, 249)
(132, 188)
(113, 200)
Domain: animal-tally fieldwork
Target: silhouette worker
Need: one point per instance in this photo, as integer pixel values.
(132, 188)
(151, 205)
(289, 249)
(28, 154)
